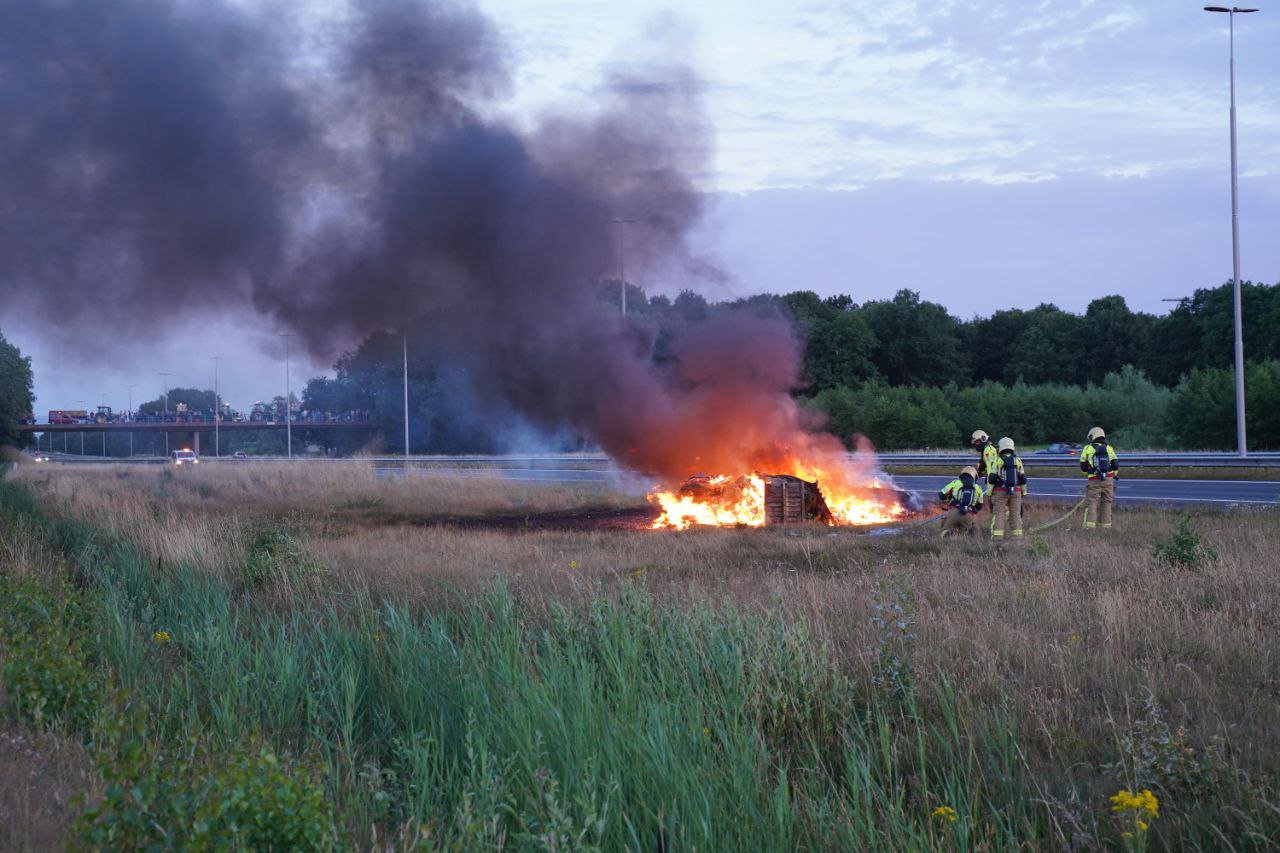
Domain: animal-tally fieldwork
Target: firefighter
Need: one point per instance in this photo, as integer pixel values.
(963, 497)
(1099, 463)
(981, 442)
(1006, 484)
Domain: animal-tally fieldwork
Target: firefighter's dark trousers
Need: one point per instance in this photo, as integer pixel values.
(1007, 508)
(959, 523)
(1099, 495)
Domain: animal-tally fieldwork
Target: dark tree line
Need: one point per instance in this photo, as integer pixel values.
(15, 392)
(904, 371)
(909, 341)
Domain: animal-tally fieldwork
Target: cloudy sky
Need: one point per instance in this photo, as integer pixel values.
(988, 154)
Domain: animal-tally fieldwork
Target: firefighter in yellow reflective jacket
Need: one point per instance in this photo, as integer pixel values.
(1099, 463)
(1006, 484)
(981, 442)
(963, 499)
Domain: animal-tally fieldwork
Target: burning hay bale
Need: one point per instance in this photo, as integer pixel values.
(757, 500)
(790, 500)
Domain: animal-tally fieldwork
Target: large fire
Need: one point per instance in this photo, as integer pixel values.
(727, 501)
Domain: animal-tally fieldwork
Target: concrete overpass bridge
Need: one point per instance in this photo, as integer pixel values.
(188, 433)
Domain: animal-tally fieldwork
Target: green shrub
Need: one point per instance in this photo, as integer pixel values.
(276, 555)
(244, 798)
(1153, 754)
(1184, 548)
(48, 673)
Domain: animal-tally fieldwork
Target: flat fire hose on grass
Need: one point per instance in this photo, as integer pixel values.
(1058, 521)
(898, 528)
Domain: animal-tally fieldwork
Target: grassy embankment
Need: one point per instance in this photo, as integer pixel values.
(309, 658)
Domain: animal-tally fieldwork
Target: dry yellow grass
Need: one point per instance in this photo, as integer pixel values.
(199, 515)
(1071, 627)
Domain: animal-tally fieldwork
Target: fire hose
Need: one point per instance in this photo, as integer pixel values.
(897, 528)
(1058, 521)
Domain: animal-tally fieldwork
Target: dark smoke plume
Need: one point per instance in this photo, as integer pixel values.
(341, 176)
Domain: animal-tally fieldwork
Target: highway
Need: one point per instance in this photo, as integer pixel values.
(587, 468)
(1058, 489)
(1136, 492)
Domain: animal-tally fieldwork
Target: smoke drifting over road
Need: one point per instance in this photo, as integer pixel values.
(343, 175)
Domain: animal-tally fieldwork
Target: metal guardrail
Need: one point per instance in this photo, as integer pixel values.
(941, 460)
(1127, 460)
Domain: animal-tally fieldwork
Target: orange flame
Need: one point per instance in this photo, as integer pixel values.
(727, 501)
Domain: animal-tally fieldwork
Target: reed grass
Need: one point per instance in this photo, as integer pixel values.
(727, 690)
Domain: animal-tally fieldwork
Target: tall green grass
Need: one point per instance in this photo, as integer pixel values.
(625, 723)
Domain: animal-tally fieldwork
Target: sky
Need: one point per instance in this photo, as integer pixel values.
(986, 154)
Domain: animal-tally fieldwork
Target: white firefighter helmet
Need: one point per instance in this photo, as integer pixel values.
(1096, 433)
(979, 436)
(1006, 443)
(970, 470)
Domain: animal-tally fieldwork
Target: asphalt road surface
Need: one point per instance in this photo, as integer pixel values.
(1136, 492)
(1069, 489)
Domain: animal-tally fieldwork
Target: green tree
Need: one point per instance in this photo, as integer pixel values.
(1262, 405)
(989, 341)
(1054, 348)
(916, 342)
(16, 393)
(839, 351)
(1115, 334)
(838, 342)
(197, 400)
(1201, 414)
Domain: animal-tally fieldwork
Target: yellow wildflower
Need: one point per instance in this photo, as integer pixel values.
(574, 564)
(1142, 824)
(161, 637)
(706, 732)
(1143, 801)
(1075, 639)
(946, 813)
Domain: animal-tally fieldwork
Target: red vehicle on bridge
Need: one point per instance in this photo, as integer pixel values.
(68, 416)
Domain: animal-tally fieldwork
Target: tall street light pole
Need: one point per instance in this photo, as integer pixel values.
(288, 393)
(82, 406)
(131, 421)
(104, 432)
(217, 405)
(405, 341)
(622, 252)
(1242, 446)
(165, 419)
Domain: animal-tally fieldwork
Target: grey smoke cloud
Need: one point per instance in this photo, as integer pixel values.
(342, 177)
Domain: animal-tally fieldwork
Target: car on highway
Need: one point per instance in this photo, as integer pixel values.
(38, 456)
(185, 457)
(1060, 448)
(240, 456)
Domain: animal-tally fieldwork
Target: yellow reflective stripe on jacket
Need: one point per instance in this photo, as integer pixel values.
(952, 489)
(999, 469)
(1089, 451)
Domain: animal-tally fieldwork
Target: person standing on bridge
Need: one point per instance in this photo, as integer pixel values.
(1006, 484)
(1099, 463)
(963, 497)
